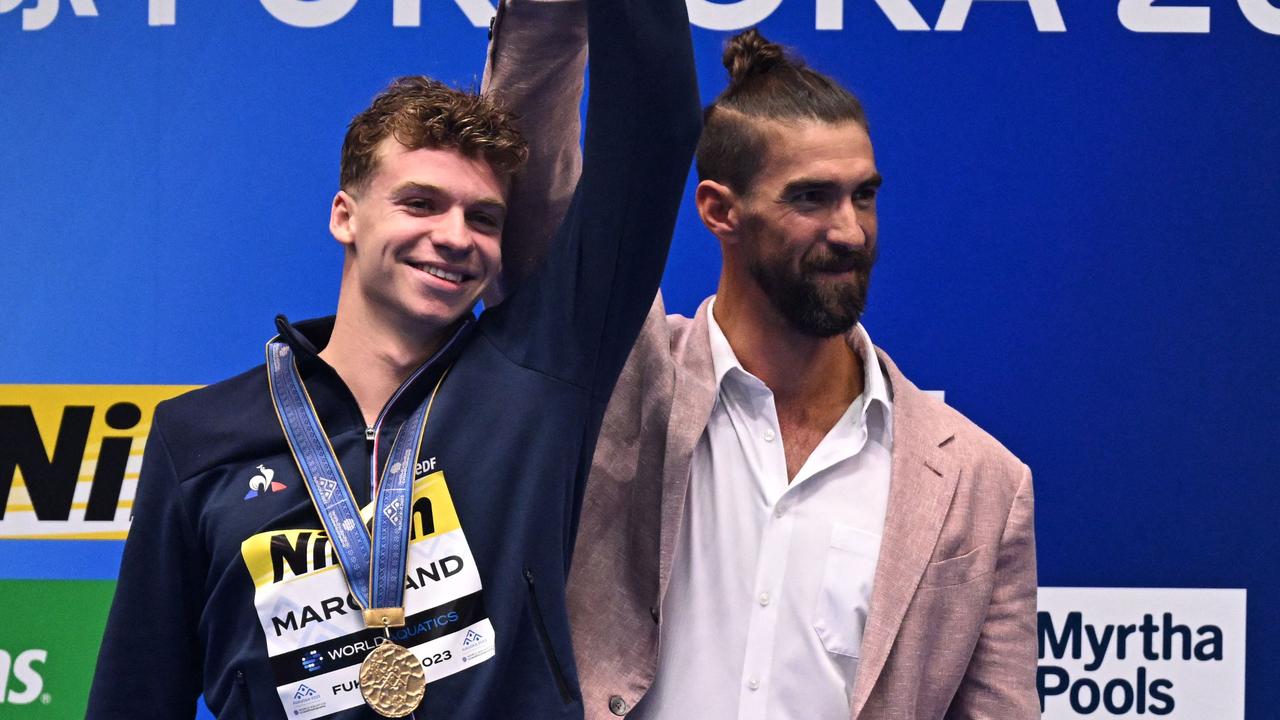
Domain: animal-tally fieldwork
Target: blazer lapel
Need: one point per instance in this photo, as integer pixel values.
(695, 396)
(922, 482)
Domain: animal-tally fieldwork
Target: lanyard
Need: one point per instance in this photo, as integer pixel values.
(374, 570)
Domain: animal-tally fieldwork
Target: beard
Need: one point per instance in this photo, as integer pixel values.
(814, 305)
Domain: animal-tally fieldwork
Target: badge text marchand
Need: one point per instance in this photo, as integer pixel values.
(434, 571)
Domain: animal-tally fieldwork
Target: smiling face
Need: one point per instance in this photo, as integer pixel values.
(422, 236)
(807, 224)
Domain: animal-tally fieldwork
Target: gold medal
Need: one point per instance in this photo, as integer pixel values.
(392, 680)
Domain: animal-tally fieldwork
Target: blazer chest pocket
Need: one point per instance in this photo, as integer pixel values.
(849, 568)
(959, 570)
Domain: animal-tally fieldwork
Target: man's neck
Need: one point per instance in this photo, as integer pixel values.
(374, 358)
(800, 369)
(813, 379)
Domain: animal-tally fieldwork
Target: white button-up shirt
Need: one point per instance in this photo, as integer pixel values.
(771, 580)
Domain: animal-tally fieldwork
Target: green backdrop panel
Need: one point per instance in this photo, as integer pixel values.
(49, 641)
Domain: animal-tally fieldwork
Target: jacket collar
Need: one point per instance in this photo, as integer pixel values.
(335, 405)
(923, 479)
(694, 396)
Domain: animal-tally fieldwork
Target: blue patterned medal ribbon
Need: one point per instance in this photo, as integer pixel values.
(395, 498)
(374, 574)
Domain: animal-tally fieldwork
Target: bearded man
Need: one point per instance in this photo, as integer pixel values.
(778, 524)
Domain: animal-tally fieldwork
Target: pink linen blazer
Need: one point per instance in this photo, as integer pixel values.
(952, 627)
(951, 631)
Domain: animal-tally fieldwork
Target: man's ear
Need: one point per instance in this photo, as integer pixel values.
(342, 222)
(718, 208)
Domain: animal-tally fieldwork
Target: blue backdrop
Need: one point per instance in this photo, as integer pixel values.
(1078, 233)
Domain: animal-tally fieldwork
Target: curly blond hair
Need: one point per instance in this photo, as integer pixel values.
(423, 113)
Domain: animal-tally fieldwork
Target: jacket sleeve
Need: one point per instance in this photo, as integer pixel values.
(537, 54)
(576, 318)
(1000, 682)
(149, 664)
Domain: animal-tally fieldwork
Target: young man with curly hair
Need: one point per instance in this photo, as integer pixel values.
(391, 500)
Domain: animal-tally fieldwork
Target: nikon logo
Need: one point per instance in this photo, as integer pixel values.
(70, 455)
(20, 684)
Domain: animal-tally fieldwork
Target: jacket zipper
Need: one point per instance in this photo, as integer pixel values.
(371, 432)
(545, 638)
(242, 688)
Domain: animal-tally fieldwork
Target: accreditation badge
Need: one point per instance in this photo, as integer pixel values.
(315, 632)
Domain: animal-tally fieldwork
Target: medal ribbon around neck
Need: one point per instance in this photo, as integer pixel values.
(374, 571)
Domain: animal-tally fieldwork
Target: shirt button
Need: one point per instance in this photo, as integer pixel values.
(617, 705)
(753, 684)
(764, 598)
(769, 436)
(778, 512)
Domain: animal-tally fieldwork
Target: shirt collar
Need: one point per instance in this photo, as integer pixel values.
(875, 389)
(723, 358)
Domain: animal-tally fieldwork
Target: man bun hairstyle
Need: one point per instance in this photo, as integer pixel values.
(766, 83)
(748, 53)
(423, 113)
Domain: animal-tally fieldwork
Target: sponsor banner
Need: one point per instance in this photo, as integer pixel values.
(49, 645)
(315, 632)
(1139, 652)
(70, 456)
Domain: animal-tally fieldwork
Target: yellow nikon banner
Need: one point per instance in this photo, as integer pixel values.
(70, 456)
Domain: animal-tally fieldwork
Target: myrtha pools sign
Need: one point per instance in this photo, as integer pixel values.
(1135, 652)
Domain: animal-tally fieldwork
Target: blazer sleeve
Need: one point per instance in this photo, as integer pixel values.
(576, 318)
(1000, 682)
(534, 67)
(149, 664)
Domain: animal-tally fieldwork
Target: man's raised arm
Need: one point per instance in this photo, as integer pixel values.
(534, 67)
(580, 314)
